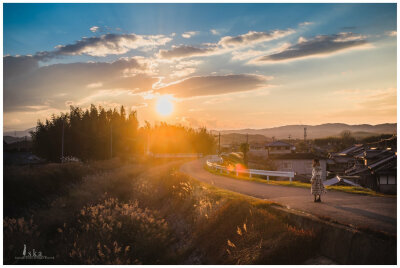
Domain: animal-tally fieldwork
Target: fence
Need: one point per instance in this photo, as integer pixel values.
(286, 174)
(177, 155)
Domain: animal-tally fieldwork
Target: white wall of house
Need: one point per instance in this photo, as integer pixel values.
(278, 150)
(299, 166)
(258, 152)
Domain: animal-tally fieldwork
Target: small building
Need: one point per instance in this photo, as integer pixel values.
(299, 163)
(385, 171)
(377, 170)
(279, 147)
(341, 161)
(257, 151)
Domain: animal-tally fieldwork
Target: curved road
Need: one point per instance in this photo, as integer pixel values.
(378, 213)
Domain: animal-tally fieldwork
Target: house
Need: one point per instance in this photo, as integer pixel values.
(279, 147)
(385, 171)
(376, 169)
(339, 162)
(257, 150)
(299, 163)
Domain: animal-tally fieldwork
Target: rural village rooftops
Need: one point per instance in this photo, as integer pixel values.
(296, 156)
(278, 144)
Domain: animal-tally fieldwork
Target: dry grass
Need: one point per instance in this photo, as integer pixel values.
(126, 216)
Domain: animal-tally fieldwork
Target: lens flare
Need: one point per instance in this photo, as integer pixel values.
(164, 105)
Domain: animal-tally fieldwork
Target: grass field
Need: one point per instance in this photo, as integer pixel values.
(140, 212)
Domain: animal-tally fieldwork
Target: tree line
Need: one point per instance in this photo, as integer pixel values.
(96, 133)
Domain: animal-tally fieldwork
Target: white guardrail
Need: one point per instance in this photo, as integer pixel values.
(286, 174)
(177, 155)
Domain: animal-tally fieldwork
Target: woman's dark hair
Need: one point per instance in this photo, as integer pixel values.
(315, 162)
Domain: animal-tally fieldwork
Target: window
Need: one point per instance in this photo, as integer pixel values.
(383, 179)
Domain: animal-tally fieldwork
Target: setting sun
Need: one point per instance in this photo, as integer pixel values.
(164, 105)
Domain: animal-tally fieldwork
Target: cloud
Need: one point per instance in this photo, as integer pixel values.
(215, 85)
(94, 85)
(107, 44)
(94, 29)
(253, 37)
(214, 32)
(182, 72)
(391, 33)
(225, 44)
(184, 51)
(189, 34)
(306, 23)
(14, 64)
(319, 46)
(372, 104)
(26, 84)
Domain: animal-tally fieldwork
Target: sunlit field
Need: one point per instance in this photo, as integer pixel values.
(140, 212)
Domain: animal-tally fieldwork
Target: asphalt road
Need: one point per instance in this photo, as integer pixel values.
(378, 213)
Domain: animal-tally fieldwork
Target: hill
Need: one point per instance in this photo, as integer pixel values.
(317, 131)
(235, 138)
(19, 134)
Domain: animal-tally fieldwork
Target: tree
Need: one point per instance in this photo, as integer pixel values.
(87, 134)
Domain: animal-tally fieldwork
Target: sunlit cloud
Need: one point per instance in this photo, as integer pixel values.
(30, 85)
(214, 32)
(375, 104)
(225, 44)
(188, 35)
(107, 44)
(321, 45)
(94, 29)
(391, 33)
(215, 85)
(95, 85)
(184, 51)
(253, 37)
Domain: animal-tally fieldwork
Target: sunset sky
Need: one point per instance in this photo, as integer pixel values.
(223, 66)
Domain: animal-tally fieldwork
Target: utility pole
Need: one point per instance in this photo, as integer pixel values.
(111, 141)
(305, 138)
(62, 144)
(219, 143)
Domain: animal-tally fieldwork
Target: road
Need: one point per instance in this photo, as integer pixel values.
(378, 213)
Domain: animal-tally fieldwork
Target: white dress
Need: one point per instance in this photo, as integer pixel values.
(317, 186)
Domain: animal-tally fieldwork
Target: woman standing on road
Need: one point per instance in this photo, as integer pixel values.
(317, 186)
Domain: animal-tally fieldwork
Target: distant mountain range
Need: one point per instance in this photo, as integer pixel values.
(266, 134)
(317, 131)
(16, 136)
(19, 134)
